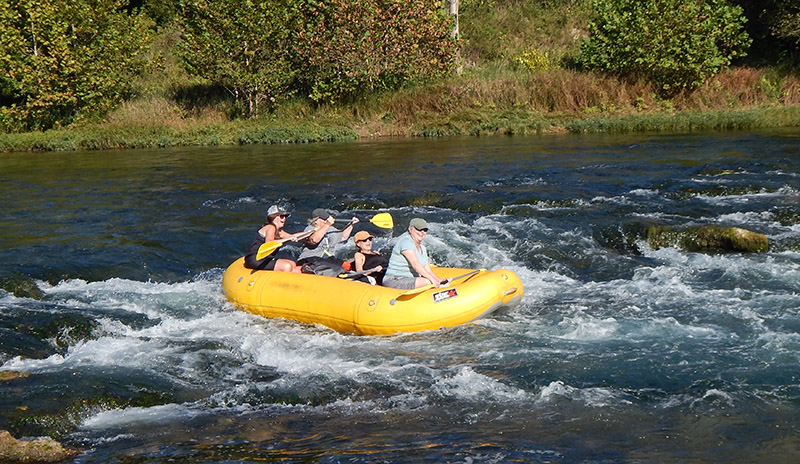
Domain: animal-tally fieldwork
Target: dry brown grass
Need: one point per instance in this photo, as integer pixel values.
(561, 92)
(742, 87)
(145, 113)
(499, 99)
(160, 113)
(554, 92)
(565, 91)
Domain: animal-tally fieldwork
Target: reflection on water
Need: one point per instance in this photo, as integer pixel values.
(111, 302)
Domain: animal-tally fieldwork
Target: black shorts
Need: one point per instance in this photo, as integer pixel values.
(266, 264)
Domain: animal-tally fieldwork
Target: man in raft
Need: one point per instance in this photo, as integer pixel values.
(319, 246)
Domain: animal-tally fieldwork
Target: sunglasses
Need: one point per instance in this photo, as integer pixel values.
(283, 216)
(368, 239)
(422, 230)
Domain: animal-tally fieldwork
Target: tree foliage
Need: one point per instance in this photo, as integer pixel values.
(245, 46)
(676, 44)
(348, 47)
(64, 59)
(267, 50)
(787, 21)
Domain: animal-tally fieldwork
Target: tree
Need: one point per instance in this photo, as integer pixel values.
(244, 46)
(347, 47)
(66, 59)
(676, 44)
(787, 23)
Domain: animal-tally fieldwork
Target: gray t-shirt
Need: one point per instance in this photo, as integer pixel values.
(325, 246)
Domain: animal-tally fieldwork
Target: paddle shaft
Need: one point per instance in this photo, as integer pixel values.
(269, 247)
(349, 275)
(382, 220)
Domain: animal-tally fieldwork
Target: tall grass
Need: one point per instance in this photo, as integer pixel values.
(522, 102)
(743, 87)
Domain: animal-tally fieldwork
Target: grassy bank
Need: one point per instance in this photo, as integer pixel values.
(483, 122)
(233, 133)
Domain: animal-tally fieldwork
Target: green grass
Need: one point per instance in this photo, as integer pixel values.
(692, 121)
(232, 133)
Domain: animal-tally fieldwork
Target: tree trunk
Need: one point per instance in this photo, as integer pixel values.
(456, 34)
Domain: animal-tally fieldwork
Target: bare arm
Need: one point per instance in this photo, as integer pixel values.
(319, 234)
(358, 260)
(348, 229)
(423, 270)
(270, 233)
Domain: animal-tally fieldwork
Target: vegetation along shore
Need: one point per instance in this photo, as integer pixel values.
(140, 73)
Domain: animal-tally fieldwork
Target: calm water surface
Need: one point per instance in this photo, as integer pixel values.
(110, 302)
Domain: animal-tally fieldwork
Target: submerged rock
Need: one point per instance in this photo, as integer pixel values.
(708, 239)
(11, 375)
(21, 286)
(38, 450)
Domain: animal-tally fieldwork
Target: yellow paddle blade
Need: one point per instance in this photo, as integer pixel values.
(383, 220)
(267, 249)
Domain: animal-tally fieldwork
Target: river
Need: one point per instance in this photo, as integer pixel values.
(111, 305)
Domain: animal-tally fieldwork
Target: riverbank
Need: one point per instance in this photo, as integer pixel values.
(520, 73)
(326, 129)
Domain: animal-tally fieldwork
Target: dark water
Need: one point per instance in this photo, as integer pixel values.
(111, 304)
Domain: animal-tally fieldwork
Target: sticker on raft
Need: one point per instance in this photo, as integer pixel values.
(444, 295)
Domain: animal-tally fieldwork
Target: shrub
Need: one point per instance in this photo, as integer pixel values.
(787, 23)
(534, 60)
(65, 59)
(675, 44)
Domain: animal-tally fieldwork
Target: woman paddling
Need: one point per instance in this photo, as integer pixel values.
(408, 264)
(272, 230)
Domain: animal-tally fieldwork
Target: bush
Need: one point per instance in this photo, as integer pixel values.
(533, 60)
(787, 22)
(675, 44)
(66, 59)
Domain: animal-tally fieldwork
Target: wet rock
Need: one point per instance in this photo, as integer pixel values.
(708, 239)
(32, 451)
(21, 286)
(428, 199)
(5, 376)
(623, 238)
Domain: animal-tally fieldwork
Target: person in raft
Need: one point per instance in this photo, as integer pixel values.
(365, 258)
(319, 245)
(271, 230)
(408, 264)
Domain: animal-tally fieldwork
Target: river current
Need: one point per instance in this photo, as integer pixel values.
(113, 318)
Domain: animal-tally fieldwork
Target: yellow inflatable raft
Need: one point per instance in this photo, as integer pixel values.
(363, 309)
